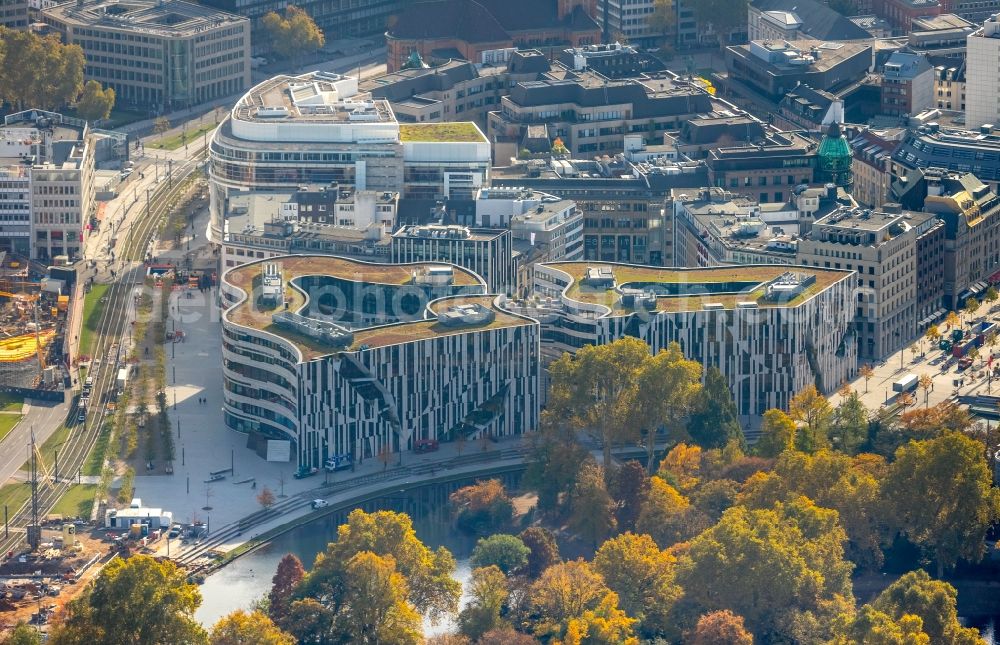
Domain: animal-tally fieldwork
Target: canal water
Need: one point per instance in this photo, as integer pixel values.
(245, 580)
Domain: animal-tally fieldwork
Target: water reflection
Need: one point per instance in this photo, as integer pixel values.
(247, 579)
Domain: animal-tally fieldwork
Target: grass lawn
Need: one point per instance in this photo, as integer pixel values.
(95, 460)
(13, 495)
(78, 501)
(93, 309)
(10, 403)
(7, 423)
(48, 451)
(175, 141)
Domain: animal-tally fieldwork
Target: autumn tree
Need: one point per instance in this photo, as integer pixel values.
(992, 295)
(596, 388)
(506, 636)
(642, 575)
(933, 601)
(543, 551)
(139, 601)
(869, 625)
(766, 565)
(713, 422)
(777, 434)
(488, 596)
(663, 513)
(866, 373)
(375, 610)
(850, 486)
(572, 596)
(721, 628)
(663, 20)
(242, 628)
(554, 460)
(53, 78)
(952, 320)
(591, 507)
(505, 552)
(427, 574)
(266, 497)
(293, 35)
(948, 520)
(813, 410)
(161, 125)
(95, 103)
(714, 497)
(926, 384)
(288, 575)
(971, 306)
(666, 389)
(681, 467)
(482, 507)
(933, 335)
(629, 485)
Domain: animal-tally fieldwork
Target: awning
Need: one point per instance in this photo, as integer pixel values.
(995, 278)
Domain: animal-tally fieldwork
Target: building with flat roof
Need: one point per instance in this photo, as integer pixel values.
(975, 11)
(158, 54)
(902, 13)
(798, 19)
(768, 170)
(316, 129)
(336, 357)
(770, 329)
(931, 146)
(940, 38)
(46, 184)
(871, 165)
(485, 251)
(775, 67)
(982, 92)
(907, 84)
(470, 29)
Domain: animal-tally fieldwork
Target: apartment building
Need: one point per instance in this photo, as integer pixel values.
(158, 54)
(46, 184)
(907, 84)
(486, 252)
(315, 129)
(771, 330)
(871, 165)
(14, 14)
(332, 359)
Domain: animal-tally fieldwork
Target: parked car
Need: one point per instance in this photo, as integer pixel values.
(964, 363)
(320, 503)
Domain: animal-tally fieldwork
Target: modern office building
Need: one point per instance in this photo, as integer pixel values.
(46, 184)
(314, 129)
(472, 29)
(775, 67)
(952, 149)
(941, 38)
(630, 20)
(325, 357)
(982, 91)
(485, 251)
(768, 170)
(158, 54)
(881, 247)
(772, 330)
(591, 114)
(14, 14)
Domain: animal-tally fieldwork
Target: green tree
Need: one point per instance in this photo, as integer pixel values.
(554, 460)
(506, 552)
(138, 601)
(667, 386)
(242, 628)
(483, 507)
(591, 508)
(874, 627)
(293, 35)
(427, 574)
(713, 421)
(488, 596)
(288, 575)
(971, 306)
(992, 295)
(813, 410)
(160, 125)
(948, 520)
(849, 426)
(714, 497)
(766, 565)
(95, 103)
(642, 575)
(53, 78)
(725, 15)
(629, 485)
(23, 634)
(721, 628)
(933, 601)
(597, 388)
(777, 434)
(543, 551)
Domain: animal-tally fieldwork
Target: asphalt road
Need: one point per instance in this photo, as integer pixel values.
(44, 417)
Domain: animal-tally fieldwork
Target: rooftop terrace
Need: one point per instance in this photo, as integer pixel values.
(457, 132)
(737, 284)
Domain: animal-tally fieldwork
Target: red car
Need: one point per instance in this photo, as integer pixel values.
(425, 445)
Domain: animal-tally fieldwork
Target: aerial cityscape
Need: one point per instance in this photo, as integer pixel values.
(499, 322)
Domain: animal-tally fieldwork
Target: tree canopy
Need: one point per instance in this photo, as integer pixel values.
(254, 628)
(293, 35)
(713, 422)
(39, 71)
(96, 102)
(506, 552)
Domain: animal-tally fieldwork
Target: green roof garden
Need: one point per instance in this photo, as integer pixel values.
(461, 132)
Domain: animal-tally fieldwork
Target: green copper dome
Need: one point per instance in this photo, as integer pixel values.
(415, 61)
(833, 164)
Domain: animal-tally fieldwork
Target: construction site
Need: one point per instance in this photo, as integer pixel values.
(33, 313)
